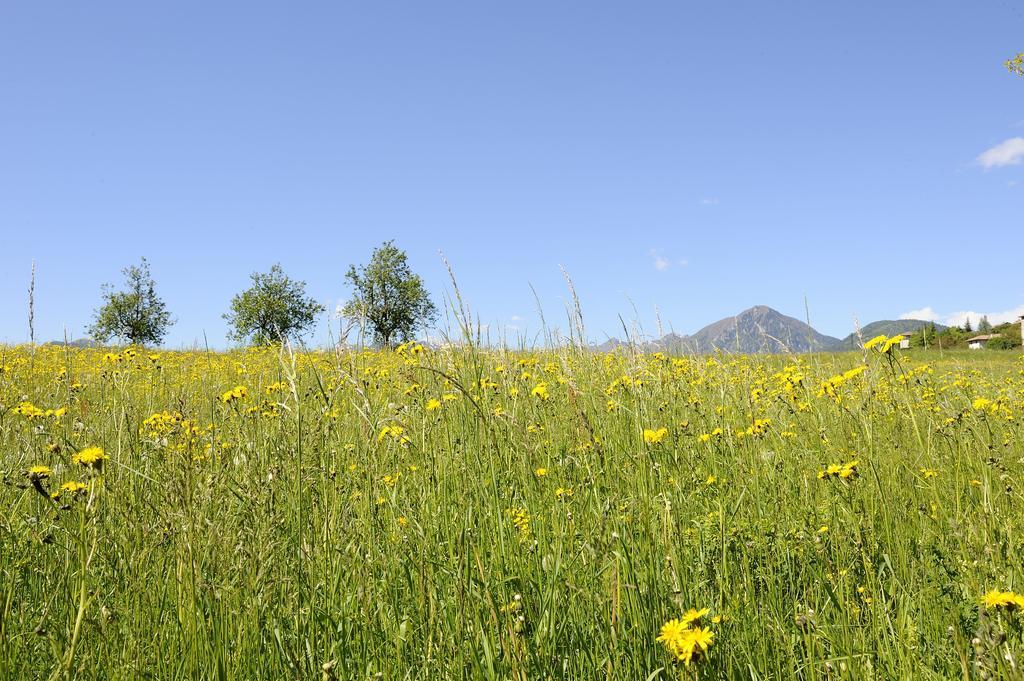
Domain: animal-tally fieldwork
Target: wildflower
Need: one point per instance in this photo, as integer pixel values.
(683, 641)
(890, 343)
(928, 473)
(540, 391)
(91, 457)
(655, 437)
(38, 473)
(540, 472)
(395, 433)
(1002, 599)
(521, 521)
(673, 634)
(981, 403)
(563, 492)
(877, 340)
(29, 410)
(71, 488)
(692, 616)
(237, 393)
(843, 471)
(433, 404)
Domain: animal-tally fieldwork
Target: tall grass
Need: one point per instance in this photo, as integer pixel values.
(332, 522)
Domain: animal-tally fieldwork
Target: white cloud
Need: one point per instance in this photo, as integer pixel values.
(515, 318)
(925, 313)
(709, 201)
(662, 263)
(1008, 153)
(958, 318)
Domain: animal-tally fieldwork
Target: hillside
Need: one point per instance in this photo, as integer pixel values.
(885, 327)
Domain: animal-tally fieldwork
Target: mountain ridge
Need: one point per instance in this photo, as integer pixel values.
(762, 329)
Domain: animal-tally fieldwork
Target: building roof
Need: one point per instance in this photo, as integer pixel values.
(984, 337)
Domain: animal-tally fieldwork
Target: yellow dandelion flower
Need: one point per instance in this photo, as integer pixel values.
(91, 457)
(38, 472)
(655, 437)
(692, 616)
(876, 341)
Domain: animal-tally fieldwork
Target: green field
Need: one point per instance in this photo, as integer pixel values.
(474, 513)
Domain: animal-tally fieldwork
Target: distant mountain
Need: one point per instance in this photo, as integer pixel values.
(609, 345)
(885, 327)
(764, 330)
(79, 343)
(760, 329)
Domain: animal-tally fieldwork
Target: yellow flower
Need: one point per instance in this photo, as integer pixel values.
(877, 340)
(38, 472)
(684, 642)
(928, 473)
(541, 472)
(692, 616)
(844, 471)
(72, 488)
(702, 638)
(90, 456)
(1002, 599)
(655, 437)
(890, 343)
(236, 393)
(395, 433)
(540, 391)
(981, 404)
(433, 404)
(672, 633)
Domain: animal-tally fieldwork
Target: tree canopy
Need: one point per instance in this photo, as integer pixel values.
(273, 309)
(136, 314)
(388, 297)
(1015, 64)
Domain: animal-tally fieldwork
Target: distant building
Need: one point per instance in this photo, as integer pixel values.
(905, 341)
(979, 342)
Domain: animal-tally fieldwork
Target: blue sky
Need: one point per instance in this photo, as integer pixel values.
(690, 158)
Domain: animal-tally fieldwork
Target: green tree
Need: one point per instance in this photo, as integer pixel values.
(967, 325)
(1015, 65)
(136, 314)
(389, 297)
(983, 324)
(273, 309)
